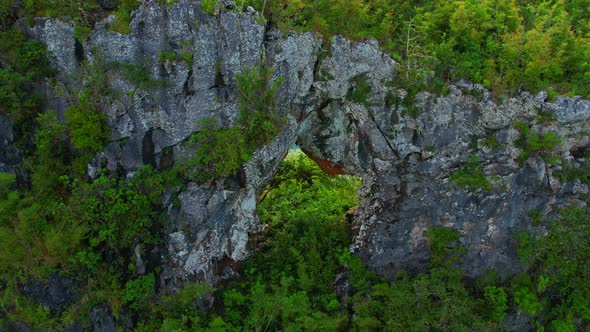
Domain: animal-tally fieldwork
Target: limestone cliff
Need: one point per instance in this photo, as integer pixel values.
(345, 111)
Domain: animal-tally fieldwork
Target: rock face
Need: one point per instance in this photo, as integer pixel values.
(345, 112)
(9, 154)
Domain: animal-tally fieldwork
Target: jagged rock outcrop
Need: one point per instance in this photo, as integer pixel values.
(345, 112)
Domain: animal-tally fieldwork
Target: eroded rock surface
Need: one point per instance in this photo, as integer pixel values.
(346, 113)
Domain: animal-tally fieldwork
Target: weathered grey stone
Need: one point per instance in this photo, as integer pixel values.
(570, 110)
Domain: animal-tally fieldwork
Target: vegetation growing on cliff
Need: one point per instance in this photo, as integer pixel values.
(506, 45)
(87, 231)
(303, 277)
(220, 151)
(25, 62)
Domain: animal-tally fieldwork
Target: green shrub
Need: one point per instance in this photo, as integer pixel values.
(87, 125)
(51, 155)
(185, 54)
(570, 172)
(164, 56)
(534, 143)
(31, 57)
(138, 291)
(25, 62)
(288, 284)
(260, 117)
(497, 303)
(440, 243)
(220, 151)
(471, 175)
(436, 300)
(119, 213)
(491, 142)
(556, 287)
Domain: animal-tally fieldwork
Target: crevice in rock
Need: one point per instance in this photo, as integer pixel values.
(79, 52)
(186, 86)
(318, 110)
(384, 136)
(147, 149)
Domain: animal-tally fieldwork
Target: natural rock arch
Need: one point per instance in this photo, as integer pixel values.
(344, 114)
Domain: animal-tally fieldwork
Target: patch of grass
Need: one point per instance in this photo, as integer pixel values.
(164, 56)
(392, 100)
(184, 54)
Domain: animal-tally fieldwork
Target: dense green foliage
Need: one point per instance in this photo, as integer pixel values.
(84, 13)
(221, 151)
(294, 270)
(64, 223)
(504, 44)
(184, 54)
(84, 230)
(558, 254)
